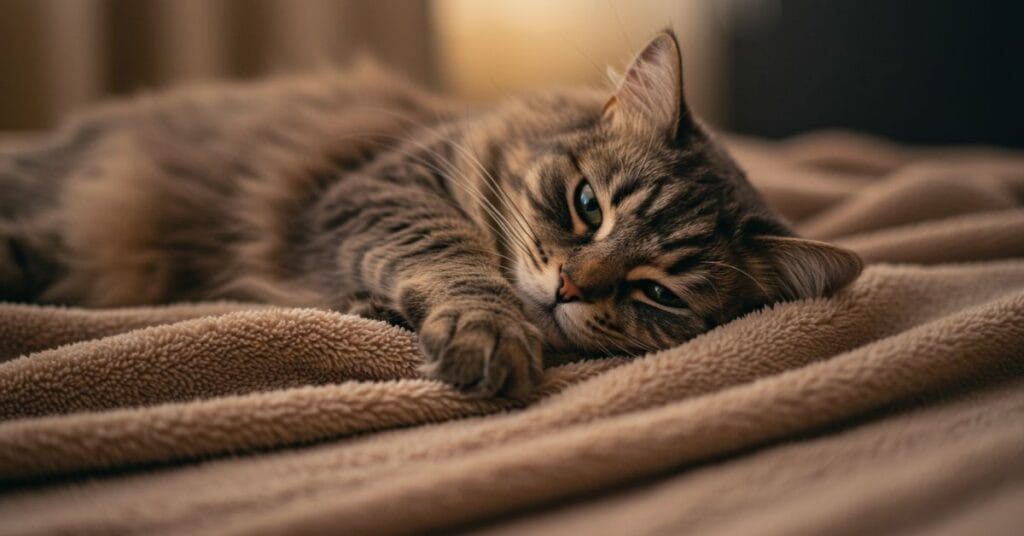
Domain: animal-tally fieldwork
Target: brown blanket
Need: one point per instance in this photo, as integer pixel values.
(896, 405)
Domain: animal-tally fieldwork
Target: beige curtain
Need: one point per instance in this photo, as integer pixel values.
(59, 55)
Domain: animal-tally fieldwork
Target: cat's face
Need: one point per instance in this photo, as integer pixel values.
(644, 232)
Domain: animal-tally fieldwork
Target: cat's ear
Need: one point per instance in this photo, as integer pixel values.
(651, 90)
(791, 268)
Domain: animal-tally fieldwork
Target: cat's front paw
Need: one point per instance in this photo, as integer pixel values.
(483, 352)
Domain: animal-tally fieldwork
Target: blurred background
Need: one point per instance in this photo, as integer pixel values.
(913, 70)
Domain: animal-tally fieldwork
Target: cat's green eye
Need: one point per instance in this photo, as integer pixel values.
(661, 295)
(587, 206)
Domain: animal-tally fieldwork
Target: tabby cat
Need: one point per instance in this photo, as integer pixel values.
(567, 220)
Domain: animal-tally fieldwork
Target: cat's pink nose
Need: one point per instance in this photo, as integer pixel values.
(568, 291)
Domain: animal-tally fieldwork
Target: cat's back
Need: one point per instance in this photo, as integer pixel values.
(309, 115)
(165, 196)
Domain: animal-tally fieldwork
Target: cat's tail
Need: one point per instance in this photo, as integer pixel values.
(32, 176)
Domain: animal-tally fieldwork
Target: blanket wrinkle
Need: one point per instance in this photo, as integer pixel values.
(711, 363)
(984, 236)
(43, 327)
(916, 194)
(771, 483)
(894, 405)
(547, 467)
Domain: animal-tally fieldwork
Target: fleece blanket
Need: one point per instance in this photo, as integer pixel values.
(896, 405)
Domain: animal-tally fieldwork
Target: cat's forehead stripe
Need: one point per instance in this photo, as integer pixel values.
(626, 188)
(642, 209)
(684, 239)
(645, 271)
(685, 263)
(661, 209)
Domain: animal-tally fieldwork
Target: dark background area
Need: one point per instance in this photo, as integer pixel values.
(916, 71)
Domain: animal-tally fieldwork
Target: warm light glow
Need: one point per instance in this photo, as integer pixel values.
(487, 49)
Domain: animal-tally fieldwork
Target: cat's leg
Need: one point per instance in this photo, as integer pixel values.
(430, 263)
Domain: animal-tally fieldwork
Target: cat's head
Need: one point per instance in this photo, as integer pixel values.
(645, 232)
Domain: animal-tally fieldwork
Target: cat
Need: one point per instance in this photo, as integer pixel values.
(560, 221)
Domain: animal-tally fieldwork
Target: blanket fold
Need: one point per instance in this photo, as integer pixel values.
(148, 392)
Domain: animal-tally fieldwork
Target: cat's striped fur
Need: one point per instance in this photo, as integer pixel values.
(362, 193)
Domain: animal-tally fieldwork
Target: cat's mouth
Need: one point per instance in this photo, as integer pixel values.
(544, 315)
(539, 295)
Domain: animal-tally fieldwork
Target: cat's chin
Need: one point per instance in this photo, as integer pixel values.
(540, 315)
(544, 314)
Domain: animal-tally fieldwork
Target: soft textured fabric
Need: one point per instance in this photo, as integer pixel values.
(896, 405)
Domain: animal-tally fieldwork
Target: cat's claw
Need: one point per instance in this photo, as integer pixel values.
(482, 352)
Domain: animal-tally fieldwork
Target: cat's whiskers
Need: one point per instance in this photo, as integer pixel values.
(460, 180)
(453, 171)
(505, 227)
(635, 342)
(752, 278)
(718, 295)
(573, 330)
(482, 198)
(622, 349)
(493, 183)
(604, 349)
(612, 337)
(497, 188)
(644, 346)
(511, 261)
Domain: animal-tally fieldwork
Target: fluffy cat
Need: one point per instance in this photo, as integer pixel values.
(572, 220)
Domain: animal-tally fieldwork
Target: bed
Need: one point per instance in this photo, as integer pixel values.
(896, 405)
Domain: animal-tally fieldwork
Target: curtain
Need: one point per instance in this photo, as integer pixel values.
(58, 55)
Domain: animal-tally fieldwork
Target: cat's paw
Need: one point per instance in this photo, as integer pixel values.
(483, 352)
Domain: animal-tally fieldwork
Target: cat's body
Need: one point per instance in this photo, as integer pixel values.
(564, 219)
(195, 194)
